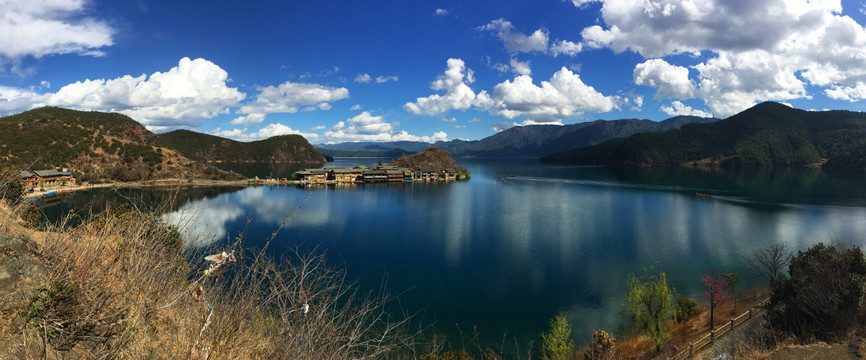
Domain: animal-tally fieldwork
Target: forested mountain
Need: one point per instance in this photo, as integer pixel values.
(764, 135)
(523, 141)
(209, 148)
(94, 145)
(100, 146)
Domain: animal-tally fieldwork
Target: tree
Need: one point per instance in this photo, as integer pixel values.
(715, 293)
(557, 343)
(601, 347)
(822, 295)
(651, 301)
(686, 308)
(769, 262)
(731, 280)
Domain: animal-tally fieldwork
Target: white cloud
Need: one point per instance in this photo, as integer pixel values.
(452, 119)
(458, 95)
(672, 81)
(184, 95)
(520, 68)
(565, 47)
(355, 107)
(270, 130)
(849, 93)
(288, 96)
(43, 28)
(750, 51)
(564, 96)
(318, 128)
(440, 12)
(248, 119)
(363, 78)
(678, 108)
(382, 79)
(367, 127)
(475, 121)
(502, 125)
(514, 40)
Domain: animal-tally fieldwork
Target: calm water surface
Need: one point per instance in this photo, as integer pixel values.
(504, 255)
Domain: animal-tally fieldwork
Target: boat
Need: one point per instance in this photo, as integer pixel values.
(50, 194)
(408, 180)
(704, 195)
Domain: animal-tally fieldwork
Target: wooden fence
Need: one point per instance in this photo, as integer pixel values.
(696, 346)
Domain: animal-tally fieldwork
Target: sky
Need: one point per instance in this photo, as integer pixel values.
(425, 70)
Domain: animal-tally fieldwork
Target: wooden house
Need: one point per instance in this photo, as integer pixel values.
(312, 175)
(46, 178)
(346, 175)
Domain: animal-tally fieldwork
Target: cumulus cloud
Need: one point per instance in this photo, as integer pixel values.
(475, 121)
(363, 78)
(849, 93)
(289, 96)
(367, 127)
(184, 95)
(678, 108)
(565, 47)
(745, 52)
(514, 40)
(355, 107)
(270, 130)
(672, 81)
(563, 96)
(520, 67)
(248, 119)
(440, 12)
(42, 28)
(458, 95)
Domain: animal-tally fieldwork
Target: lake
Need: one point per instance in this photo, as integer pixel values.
(504, 254)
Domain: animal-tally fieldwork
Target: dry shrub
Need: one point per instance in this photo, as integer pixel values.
(120, 287)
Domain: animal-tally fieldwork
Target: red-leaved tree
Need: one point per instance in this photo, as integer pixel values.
(715, 294)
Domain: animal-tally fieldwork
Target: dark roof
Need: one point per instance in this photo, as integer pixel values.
(47, 173)
(26, 174)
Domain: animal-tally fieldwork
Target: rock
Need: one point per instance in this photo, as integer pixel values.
(20, 273)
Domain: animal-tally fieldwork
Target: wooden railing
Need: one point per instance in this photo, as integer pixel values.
(715, 334)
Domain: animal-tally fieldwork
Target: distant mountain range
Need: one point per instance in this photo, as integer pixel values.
(765, 135)
(100, 146)
(522, 141)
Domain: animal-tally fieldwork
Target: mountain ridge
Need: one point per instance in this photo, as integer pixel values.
(767, 134)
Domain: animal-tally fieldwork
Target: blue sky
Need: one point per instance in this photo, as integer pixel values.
(338, 71)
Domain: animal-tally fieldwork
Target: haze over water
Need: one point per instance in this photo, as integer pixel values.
(505, 254)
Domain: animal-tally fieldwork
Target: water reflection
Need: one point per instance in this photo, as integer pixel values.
(506, 255)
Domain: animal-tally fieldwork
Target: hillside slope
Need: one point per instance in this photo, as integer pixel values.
(764, 135)
(432, 157)
(209, 148)
(94, 145)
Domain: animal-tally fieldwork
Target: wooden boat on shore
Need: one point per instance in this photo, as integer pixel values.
(704, 195)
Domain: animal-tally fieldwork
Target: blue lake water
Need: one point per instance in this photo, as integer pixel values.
(503, 255)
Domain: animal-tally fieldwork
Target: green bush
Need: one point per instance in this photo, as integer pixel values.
(557, 343)
(821, 297)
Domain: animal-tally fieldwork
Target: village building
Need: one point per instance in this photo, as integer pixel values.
(46, 179)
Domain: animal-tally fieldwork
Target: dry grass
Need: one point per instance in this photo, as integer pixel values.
(122, 287)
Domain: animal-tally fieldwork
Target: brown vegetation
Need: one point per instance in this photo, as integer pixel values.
(122, 287)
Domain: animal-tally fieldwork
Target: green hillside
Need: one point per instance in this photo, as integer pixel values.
(765, 135)
(96, 146)
(209, 148)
